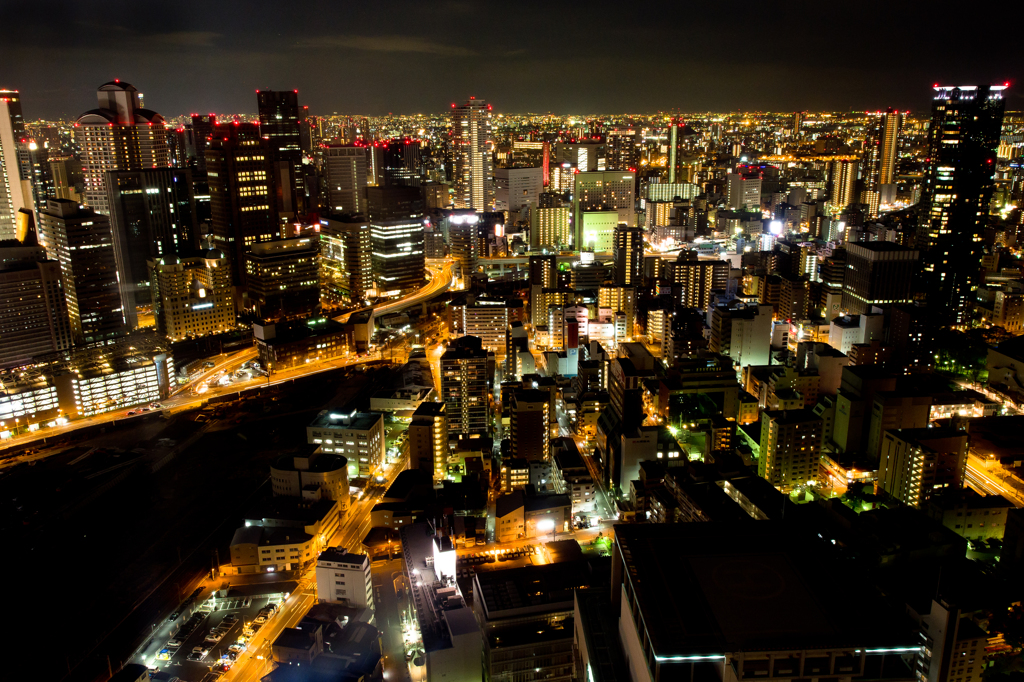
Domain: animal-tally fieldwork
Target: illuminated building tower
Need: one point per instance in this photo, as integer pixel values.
(428, 439)
(464, 384)
(12, 193)
(33, 309)
(346, 267)
(962, 142)
(844, 183)
(398, 259)
(242, 203)
(543, 275)
(282, 278)
(629, 255)
(192, 295)
(80, 239)
(119, 135)
(345, 177)
(624, 148)
(152, 214)
(693, 279)
(550, 227)
(601, 191)
(743, 189)
(681, 140)
(878, 274)
(798, 119)
(790, 447)
(281, 121)
(474, 167)
(889, 138)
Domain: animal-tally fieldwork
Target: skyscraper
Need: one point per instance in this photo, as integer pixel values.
(844, 183)
(119, 135)
(345, 176)
(629, 255)
(962, 143)
(398, 258)
(464, 386)
(80, 239)
(193, 295)
(474, 167)
(12, 194)
(281, 122)
(238, 164)
(345, 260)
(282, 278)
(743, 188)
(152, 214)
(878, 273)
(603, 191)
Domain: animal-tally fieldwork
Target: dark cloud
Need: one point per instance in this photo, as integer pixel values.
(529, 55)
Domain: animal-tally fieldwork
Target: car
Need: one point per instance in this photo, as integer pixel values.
(164, 655)
(232, 655)
(237, 647)
(131, 412)
(231, 618)
(146, 409)
(173, 617)
(173, 643)
(194, 656)
(222, 667)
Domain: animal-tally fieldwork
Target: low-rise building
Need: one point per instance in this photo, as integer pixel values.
(968, 514)
(571, 476)
(286, 345)
(359, 436)
(344, 578)
(297, 475)
(523, 514)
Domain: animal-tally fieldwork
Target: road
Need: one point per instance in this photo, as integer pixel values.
(184, 397)
(985, 481)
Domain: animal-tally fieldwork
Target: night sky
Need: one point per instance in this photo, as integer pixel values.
(375, 57)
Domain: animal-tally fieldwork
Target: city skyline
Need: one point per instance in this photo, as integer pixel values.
(693, 59)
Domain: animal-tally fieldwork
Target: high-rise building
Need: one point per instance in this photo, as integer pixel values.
(282, 278)
(742, 332)
(400, 163)
(962, 142)
(881, 150)
(152, 215)
(624, 148)
(392, 202)
(345, 178)
(398, 258)
(916, 464)
(68, 179)
(464, 385)
(790, 447)
(551, 227)
(119, 135)
(346, 265)
(13, 197)
(844, 183)
(629, 255)
(281, 122)
(543, 275)
(693, 279)
(428, 439)
(529, 424)
(242, 203)
(81, 240)
(878, 274)
(33, 309)
(743, 189)
(601, 191)
(471, 145)
(192, 295)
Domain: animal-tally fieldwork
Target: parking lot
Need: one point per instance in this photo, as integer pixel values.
(212, 638)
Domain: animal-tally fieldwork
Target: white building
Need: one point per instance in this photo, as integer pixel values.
(345, 178)
(515, 188)
(743, 190)
(343, 578)
(359, 436)
(845, 331)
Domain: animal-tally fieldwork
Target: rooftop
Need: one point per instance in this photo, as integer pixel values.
(716, 588)
(354, 420)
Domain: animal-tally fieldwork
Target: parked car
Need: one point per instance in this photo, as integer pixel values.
(173, 617)
(164, 655)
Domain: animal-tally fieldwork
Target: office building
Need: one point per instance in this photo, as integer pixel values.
(743, 189)
(517, 188)
(882, 149)
(428, 439)
(297, 343)
(602, 191)
(790, 447)
(311, 469)
(81, 240)
(13, 196)
(916, 464)
(192, 295)
(393, 202)
(471, 145)
(358, 436)
(242, 201)
(398, 261)
(345, 178)
(119, 135)
(344, 578)
(33, 309)
(879, 274)
(152, 215)
(346, 264)
(283, 279)
(281, 120)
(623, 145)
(959, 181)
(529, 424)
(400, 163)
(693, 280)
(597, 230)
(629, 255)
(464, 386)
(550, 227)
